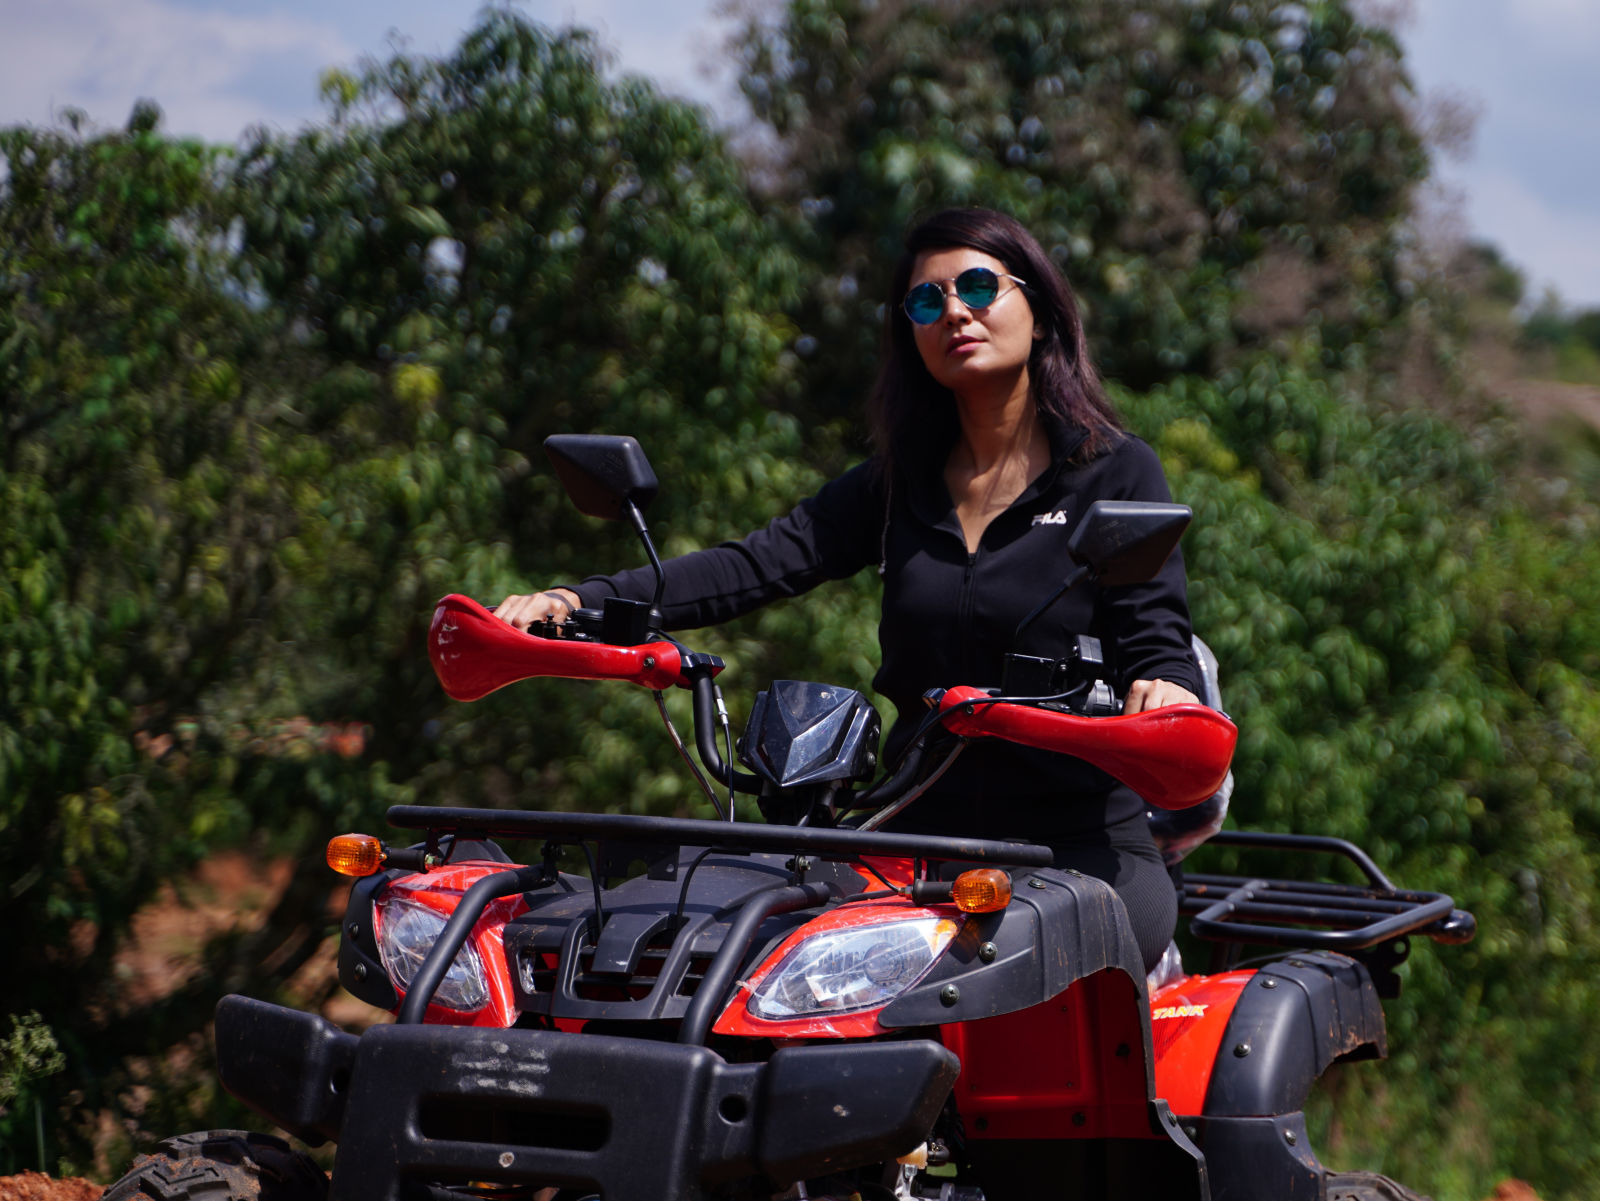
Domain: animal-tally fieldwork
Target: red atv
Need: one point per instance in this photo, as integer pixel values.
(812, 1006)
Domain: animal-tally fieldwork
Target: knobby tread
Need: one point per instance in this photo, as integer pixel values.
(221, 1165)
(1369, 1186)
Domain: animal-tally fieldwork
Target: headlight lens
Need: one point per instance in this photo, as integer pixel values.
(407, 932)
(851, 969)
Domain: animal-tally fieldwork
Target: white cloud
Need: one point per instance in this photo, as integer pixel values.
(213, 73)
(1557, 246)
(673, 44)
(1535, 163)
(1564, 25)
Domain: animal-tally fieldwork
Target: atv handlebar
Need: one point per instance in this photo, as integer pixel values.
(474, 653)
(1174, 757)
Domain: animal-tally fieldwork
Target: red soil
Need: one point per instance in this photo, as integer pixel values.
(36, 1186)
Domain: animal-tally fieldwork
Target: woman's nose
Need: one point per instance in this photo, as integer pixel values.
(955, 309)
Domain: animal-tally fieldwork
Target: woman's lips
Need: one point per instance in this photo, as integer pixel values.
(960, 343)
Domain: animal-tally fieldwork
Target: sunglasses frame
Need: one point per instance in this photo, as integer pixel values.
(955, 282)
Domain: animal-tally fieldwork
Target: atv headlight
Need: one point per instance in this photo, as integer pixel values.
(857, 968)
(406, 933)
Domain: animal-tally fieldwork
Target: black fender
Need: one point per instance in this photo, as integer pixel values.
(1293, 1021)
(1060, 927)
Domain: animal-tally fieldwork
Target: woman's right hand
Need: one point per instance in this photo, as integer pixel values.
(523, 611)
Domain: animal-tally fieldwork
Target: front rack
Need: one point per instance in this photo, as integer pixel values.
(1314, 915)
(839, 841)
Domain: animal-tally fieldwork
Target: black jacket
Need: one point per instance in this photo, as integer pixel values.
(949, 617)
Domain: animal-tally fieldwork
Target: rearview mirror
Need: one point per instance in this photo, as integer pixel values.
(602, 473)
(1127, 541)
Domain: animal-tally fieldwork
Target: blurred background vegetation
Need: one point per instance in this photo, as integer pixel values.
(262, 404)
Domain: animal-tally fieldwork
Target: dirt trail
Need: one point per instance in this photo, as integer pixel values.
(36, 1186)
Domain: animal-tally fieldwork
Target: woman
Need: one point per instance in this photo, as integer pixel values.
(992, 436)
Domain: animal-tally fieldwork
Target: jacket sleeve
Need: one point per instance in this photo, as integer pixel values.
(1149, 623)
(828, 536)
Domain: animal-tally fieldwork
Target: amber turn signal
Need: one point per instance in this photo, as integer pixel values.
(982, 890)
(355, 854)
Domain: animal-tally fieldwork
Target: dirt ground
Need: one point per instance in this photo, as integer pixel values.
(35, 1186)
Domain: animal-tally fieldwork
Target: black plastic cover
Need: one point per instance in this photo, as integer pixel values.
(361, 969)
(1294, 1019)
(644, 967)
(633, 1119)
(290, 1067)
(1261, 1159)
(804, 733)
(602, 472)
(1060, 927)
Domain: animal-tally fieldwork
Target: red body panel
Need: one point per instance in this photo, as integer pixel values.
(442, 890)
(1188, 1020)
(1173, 757)
(474, 653)
(1070, 1068)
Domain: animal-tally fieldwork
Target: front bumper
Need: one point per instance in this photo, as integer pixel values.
(625, 1117)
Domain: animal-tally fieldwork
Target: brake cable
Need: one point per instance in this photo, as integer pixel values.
(694, 767)
(888, 811)
(727, 741)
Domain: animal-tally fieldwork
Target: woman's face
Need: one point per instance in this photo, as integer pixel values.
(966, 347)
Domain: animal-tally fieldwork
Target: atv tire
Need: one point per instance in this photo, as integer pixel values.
(1368, 1186)
(222, 1165)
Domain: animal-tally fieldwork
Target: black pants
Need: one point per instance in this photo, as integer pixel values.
(1125, 857)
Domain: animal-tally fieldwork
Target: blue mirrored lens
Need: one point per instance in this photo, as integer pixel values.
(976, 287)
(924, 303)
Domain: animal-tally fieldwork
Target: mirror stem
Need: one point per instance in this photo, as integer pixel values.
(649, 548)
(1072, 580)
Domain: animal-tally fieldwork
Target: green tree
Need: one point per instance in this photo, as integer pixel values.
(149, 479)
(1406, 650)
(262, 409)
(1209, 175)
(135, 565)
(479, 251)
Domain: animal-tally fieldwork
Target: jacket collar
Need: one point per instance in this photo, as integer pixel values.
(920, 461)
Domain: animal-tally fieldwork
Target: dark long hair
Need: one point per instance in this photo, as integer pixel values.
(1061, 374)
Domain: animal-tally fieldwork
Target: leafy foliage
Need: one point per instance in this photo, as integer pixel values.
(262, 410)
(1209, 175)
(1412, 669)
(27, 1053)
(135, 563)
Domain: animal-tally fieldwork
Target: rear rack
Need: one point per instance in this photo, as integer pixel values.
(1315, 915)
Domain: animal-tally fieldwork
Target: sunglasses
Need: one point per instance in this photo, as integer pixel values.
(976, 287)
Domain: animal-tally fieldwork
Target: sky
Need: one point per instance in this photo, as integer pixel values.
(1530, 181)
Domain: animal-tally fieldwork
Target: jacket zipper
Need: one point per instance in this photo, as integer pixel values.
(969, 656)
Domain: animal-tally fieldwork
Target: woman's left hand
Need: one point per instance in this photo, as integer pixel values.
(1154, 694)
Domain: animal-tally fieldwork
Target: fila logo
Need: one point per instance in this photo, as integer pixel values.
(1059, 517)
